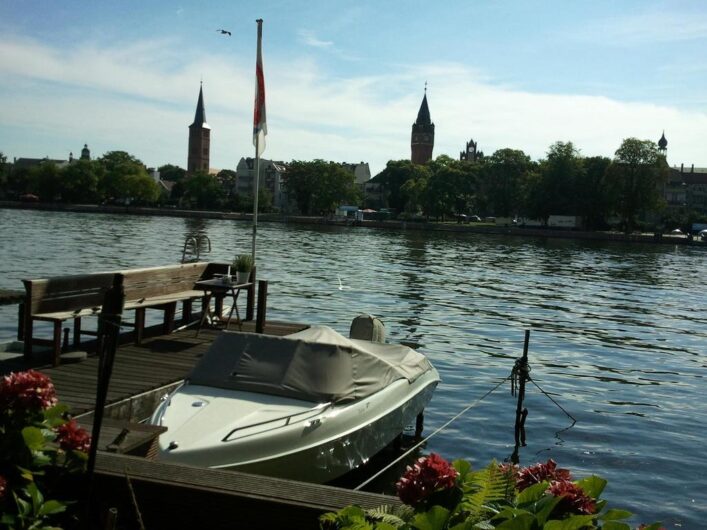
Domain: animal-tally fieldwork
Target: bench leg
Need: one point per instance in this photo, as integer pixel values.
(77, 332)
(21, 321)
(169, 311)
(139, 324)
(186, 311)
(28, 336)
(56, 347)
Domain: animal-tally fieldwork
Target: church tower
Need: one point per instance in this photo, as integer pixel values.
(663, 145)
(199, 139)
(423, 134)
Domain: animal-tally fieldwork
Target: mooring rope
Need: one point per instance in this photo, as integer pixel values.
(437, 431)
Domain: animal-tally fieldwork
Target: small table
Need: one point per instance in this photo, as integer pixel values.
(219, 287)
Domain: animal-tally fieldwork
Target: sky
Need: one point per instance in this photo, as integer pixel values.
(344, 79)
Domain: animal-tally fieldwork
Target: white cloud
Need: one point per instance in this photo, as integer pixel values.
(55, 101)
(310, 39)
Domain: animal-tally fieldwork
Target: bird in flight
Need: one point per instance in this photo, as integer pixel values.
(224, 32)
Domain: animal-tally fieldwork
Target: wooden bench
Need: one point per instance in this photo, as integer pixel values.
(63, 298)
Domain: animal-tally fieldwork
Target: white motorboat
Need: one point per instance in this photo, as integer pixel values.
(309, 406)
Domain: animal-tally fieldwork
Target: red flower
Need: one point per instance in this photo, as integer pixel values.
(26, 391)
(3, 486)
(71, 437)
(574, 500)
(540, 473)
(427, 475)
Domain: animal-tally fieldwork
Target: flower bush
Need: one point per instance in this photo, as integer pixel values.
(41, 449)
(442, 496)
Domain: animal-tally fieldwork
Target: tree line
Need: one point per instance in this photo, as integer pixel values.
(510, 184)
(506, 184)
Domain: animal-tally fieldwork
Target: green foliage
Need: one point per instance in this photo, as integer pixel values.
(172, 173)
(318, 187)
(502, 181)
(243, 263)
(636, 176)
(488, 499)
(202, 190)
(80, 181)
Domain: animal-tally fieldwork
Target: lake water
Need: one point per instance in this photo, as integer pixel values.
(618, 331)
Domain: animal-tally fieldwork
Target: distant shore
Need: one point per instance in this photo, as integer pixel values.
(391, 225)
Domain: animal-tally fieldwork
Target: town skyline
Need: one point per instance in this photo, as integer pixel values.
(345, 82)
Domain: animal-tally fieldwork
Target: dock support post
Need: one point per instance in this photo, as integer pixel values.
(521, 372)
(109, 333)
(250, 309)
(262, 306)
(21, 321)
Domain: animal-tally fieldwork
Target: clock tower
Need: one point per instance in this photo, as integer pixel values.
(423, 134)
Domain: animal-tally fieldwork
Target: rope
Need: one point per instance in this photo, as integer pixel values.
(574, 420)
(437, 431)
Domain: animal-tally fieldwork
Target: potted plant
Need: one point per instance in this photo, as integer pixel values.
(243, 264)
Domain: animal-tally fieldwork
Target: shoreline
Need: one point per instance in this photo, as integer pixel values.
(390, 225)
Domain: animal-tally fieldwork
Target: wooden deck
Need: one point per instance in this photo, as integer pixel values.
(157, 362)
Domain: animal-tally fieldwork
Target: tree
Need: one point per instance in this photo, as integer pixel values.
(501, 181)
(451, 187)
(593, 193)
(554, 191)
(45, 181)
(172, 173)
(202, 190)
(79, 181)
(393, 178)
(121, 170)
(318, 187)
(636, 176)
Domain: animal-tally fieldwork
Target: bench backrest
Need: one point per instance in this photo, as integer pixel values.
(171, 279)
(66, 293)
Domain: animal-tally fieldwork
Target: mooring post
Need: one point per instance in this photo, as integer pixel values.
(109, 331)
(521, 369)
(262, 306)
(250, 303)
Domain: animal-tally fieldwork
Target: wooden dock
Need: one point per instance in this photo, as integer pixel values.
(168, 495)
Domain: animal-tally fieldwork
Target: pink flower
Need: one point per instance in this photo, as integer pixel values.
(540, 473)
(3, 486)
(428, 474)
(574, 500)
(26, 391)
(71, 437)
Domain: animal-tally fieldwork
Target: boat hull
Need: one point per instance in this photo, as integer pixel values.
(322, 445)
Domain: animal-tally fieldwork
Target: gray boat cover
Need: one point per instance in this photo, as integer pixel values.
(316, 365)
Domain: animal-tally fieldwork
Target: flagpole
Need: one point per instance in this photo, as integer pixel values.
(255, 193)
(259, 126)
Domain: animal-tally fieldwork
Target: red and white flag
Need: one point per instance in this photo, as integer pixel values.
(260, 127)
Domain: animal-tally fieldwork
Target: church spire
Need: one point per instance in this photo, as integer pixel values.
(423, 134)
(200, 115)
(199, 139)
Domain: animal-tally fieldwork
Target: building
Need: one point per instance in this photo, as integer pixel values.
(685, 188)
(361, 172)
(272, 178)
(199, 139)
(471, 153)
(423, 135)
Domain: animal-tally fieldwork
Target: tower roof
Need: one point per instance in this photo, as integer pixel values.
(200, 115)
(663, 143)
(423, 115)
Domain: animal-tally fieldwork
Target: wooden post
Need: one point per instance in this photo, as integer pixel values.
(249, 310)
(109, 330)
(21, 321)
(521, 413)
(262, 306)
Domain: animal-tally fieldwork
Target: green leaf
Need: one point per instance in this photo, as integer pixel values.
(654, 526)
(543, 508)
(36, 496)
(51, 507)
(532, 494)
(614, 515)
(574, 522)
(463, 467)
(524, 521)
(33, 437)
(23, 507)
(433, 519)
(55, 415)
(592, 486)
(616, 525)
